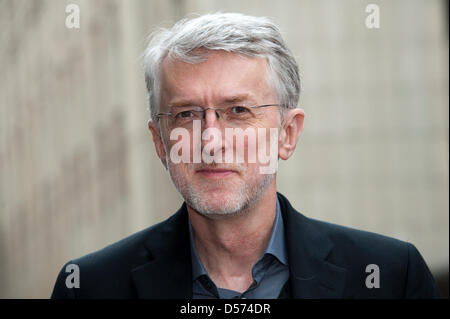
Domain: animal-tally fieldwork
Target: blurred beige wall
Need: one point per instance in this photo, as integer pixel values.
(78, 170)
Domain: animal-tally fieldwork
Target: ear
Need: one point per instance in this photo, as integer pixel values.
(291, 129)
(157, 140)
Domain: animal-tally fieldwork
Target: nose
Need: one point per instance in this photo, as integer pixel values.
(211, 118)
(212, 123)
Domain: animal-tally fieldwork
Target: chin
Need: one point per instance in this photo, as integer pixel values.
(223, 197)
(218, 203)
(217, 209)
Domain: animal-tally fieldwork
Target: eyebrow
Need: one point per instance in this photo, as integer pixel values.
(238, 98)
(182, 103)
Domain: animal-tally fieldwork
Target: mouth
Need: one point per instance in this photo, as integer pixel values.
(215, 172)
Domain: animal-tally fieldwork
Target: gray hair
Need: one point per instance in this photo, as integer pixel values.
(230, 32)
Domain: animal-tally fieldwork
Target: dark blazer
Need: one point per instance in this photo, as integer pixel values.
(325, 261)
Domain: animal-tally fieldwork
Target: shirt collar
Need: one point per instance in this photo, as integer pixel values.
(197, 266)
(275, 247)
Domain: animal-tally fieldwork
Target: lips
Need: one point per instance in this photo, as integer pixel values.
(216, 172)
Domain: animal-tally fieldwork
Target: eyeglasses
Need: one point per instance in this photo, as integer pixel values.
(232, 116)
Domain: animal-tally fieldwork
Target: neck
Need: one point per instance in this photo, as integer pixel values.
(229, 247)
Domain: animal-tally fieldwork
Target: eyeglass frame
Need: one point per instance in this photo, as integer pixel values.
(158, 115)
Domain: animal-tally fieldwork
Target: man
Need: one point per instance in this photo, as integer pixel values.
(223, 92)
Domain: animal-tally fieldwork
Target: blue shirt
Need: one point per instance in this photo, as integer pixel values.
(270, 272)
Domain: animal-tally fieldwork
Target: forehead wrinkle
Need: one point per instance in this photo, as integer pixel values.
(211, 81)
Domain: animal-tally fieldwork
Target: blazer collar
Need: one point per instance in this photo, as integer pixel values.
(168, 274)
(311, 275)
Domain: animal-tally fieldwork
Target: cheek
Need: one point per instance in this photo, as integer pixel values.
(267, 143)
(180, 173)
(180, 148)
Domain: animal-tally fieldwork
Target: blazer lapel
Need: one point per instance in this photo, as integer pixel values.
(312, 276)
(169, 272)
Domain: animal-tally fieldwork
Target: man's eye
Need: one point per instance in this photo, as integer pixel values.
(185, 114)
(239, 110)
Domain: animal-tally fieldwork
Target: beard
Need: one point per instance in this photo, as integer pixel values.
(220, 198)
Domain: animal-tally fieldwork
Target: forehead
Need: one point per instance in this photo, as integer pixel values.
(220, 76)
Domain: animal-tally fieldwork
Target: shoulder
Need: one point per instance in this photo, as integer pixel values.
(401, 268)
(125, 250)
(364, 242)
(359, 251)
(106, 273)
(346, 241)
(399, 265)
(133, 250)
